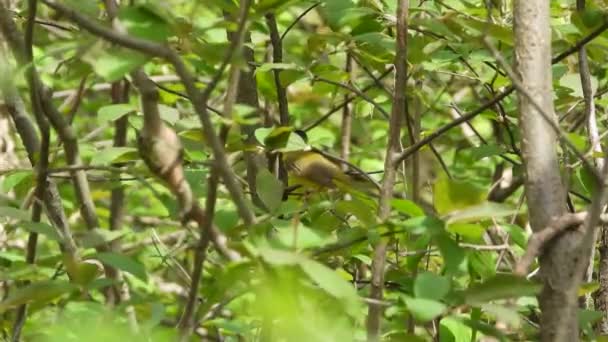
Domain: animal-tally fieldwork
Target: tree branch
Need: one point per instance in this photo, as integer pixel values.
(27, 132)
(374, 316)
(348, 100)
(198, 99)
(497, 98)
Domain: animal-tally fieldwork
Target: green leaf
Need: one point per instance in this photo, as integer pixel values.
(281, 138)
(14, 213)
(226, 219)
(517, 234)
(478, 27)
(585, 179)
(42, 229)
(482, 263)
(453, 329)
(422, 225)
(453, 255)
(504, 314)
(332, 283)
(214, 52)
(88, 8)
(13, 179)
(485, 210)
(169, 114)
(287, 77)
(12, 257)
(470, 231)
(423, 309)
(272, 5)
(359, 209)
(502, 286)
(143, 23)
(589, 317)
(333, 11)
(279, 257)
(306, 237)
(407, 207)
(588, 288)
(262, 133)
(431, 286)
(114, 65)
(294, 143)
(87, 271)
(270, 189)
(123, 263)
(484, 151)
(573, 83)
(451, 194)
(321, 136)
(113, 112)
(36, 293)
(277, 66)
(112, 154)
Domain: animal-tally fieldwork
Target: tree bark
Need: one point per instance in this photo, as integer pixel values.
(546, 195)
(601, 296)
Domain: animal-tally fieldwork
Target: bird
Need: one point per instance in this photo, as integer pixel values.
(315, 170)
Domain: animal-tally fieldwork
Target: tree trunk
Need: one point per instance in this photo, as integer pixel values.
(546, 195)
(601, 296)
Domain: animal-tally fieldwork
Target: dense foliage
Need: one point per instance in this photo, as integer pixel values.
(458, 217)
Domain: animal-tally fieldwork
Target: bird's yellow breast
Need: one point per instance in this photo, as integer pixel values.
(312, 168)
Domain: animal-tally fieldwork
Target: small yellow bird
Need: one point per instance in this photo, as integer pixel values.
(310, 168)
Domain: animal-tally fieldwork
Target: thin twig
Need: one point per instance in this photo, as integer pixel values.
(357, 92)
(27, 132)
(198, 99)
(347, 117)
(594, 138)
(541, 238)
(313, 6)
(546, 116)
(338, 107)
(374, 317)
(182, 95)
(41, 179)
(187, 321)
(119, 94)
(277, 57)
(497, 98)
